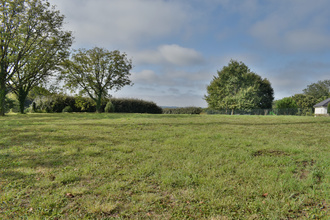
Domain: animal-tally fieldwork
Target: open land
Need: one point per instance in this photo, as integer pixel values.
(138, 166)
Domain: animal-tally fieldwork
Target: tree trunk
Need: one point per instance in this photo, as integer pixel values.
(3, 93)
(98, 103)
(22, 94)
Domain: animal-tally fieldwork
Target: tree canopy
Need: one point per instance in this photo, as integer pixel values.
(286, 105)
(304, 101)
(319, 90)
(32, 42)
(287, 102)
(96, 71)
(236, 87)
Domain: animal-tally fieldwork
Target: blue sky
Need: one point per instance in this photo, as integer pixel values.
(177, 46)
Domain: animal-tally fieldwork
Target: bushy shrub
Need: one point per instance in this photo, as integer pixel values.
(186, 110)
(135, 106)
(85, 104)
(109, 108)
(11, 104)
(27, 110)
(54, 103)
(67, 109)
(62, 101)
(33, 107)
(305, 112)
(286, 106)
(329, 108)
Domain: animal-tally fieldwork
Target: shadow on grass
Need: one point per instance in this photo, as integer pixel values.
(12, 175)
(27, 166)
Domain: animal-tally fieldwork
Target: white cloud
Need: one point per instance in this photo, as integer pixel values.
(249, 59)
(294, 76)
(169, 54)
(172, 78)
(167, 98)
(144, 77)
(308, 39)
(180, 56)
(294, 26)
(110, 22)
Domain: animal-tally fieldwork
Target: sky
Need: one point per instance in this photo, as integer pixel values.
(177, 46)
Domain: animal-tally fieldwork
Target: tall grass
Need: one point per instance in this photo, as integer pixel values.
(87, 166)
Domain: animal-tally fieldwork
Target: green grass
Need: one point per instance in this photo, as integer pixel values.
(138, 166)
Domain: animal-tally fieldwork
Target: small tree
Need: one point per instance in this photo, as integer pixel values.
(67, 109)
(287, 106)
(109, 108)
(329, 109)
(96, 71)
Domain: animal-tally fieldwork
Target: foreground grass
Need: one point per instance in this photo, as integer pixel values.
(85, 166)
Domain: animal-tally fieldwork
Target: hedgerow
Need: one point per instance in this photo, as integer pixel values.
(54, 103)
(57, 103)
(186, 110)
(135, 106)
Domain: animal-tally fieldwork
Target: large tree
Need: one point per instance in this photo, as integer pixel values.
(32, 42)
(319, 90)
(40, 66)
(96, 71)
(236, 87)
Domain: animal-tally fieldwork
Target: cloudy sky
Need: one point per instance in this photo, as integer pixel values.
(177, 46)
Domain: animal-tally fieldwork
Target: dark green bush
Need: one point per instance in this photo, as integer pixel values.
(54, 103)
(329, 108)
(11, 104)
(27, 110)
(109, 108)
(286, 106)
(85, 104)
(67, 109)
(135, 106)
(33, 107)
(186, 110)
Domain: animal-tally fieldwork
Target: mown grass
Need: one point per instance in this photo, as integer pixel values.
(139, 166)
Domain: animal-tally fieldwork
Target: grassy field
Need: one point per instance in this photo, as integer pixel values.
(139, 166)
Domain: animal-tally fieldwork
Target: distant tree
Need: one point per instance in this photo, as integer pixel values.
(286, 106)
(11, 103)
(287, 102)
(319, 90)
(236, 87)
(85, 104)
(31, 43)
(109, 108)
(304, 101)
(38, 91)
(96, 71)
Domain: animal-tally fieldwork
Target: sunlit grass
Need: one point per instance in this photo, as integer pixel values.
(164, 166)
